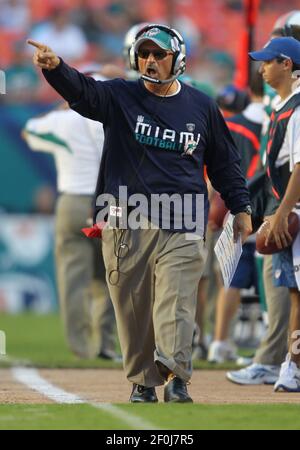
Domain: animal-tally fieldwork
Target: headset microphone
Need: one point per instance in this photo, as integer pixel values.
(155, 81)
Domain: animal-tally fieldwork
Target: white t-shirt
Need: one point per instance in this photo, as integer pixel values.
(290, 150)
(254, 112)
(75, 142)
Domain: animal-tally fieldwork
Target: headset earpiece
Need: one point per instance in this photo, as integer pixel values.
(178, 64)
(133, 60)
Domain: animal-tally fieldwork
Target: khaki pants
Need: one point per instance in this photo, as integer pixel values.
(273, 349)
(154, 299)
(85, 306)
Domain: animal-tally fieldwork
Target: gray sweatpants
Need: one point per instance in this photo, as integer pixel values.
(273, 349)
(154, 299)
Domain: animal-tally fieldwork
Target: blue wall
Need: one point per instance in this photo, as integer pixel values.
(22, 171)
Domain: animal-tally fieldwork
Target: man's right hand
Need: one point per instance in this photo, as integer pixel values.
(44, 57)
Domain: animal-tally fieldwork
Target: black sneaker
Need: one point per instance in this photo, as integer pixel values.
(110, 356)
(176, 391)
(143, 394)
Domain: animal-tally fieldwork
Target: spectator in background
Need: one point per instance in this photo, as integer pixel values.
(235, 5)
(14, 15)
(190, 33)
(232, 100)
(273, 348)
(133, 9)
(22, 79)
(113, 22)
(212, 66)
(280, 59)
(245, 129)
(86, 17)
(64, 37)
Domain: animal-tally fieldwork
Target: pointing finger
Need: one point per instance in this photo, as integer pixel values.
(36, 44)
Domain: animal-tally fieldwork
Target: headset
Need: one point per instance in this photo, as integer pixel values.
(179, 58)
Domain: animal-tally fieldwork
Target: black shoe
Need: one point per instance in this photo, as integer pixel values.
(176, 391)
(110, 356)
(143, 394)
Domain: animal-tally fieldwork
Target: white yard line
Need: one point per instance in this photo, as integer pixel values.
(34, 381)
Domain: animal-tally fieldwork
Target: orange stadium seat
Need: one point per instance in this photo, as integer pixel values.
(7, 41)
(216, 18)
(40, 10)
(216, 23)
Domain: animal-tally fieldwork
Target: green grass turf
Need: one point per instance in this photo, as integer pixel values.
(38, 340)
(172, 417)
(220, 417)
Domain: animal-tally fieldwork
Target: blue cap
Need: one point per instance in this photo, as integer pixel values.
(281, 47)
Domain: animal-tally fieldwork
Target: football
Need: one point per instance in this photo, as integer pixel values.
(262, 232)
(217, 212)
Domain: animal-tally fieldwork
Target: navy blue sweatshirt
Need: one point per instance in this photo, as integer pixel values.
(153, 144)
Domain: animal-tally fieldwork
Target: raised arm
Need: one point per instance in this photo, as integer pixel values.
(86, 96)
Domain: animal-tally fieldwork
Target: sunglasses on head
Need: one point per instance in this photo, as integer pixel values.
(158, 54)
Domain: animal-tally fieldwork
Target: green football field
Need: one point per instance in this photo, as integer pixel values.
(165, 417)
(37, 341)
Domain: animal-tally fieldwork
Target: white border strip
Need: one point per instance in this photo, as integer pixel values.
(33, 380)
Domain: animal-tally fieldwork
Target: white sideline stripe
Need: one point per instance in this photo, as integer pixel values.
(33, 380)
